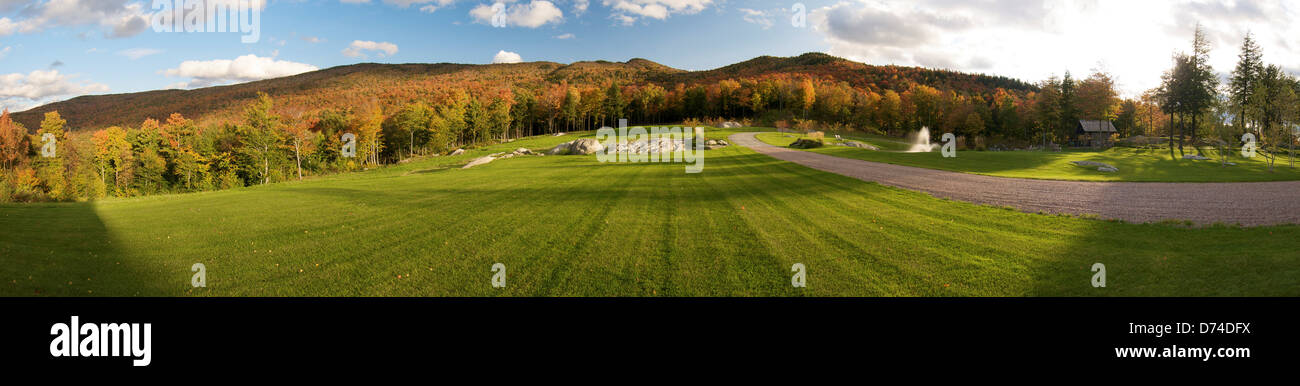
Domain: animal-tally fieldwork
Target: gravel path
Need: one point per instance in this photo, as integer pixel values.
(1247, 203)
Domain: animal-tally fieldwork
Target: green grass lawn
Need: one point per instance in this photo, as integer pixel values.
(568, 225)
(1134, 165)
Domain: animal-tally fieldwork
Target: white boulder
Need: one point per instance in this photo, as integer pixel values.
(479, 161)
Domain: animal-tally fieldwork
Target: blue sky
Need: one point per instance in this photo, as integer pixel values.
(56, 49)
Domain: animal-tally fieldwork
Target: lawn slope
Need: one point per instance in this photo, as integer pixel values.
(1134, 165)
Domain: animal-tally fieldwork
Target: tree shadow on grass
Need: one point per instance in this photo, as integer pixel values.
(1170, 258)
(66, 250)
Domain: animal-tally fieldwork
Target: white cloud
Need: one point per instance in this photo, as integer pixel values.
(580, 6)
(504, 56)
(117, 18)
(4, 51)
(762, 18)
(532, 15)
(22, 91)
(313, 39)
(137, 53)
(242, 69)
(566, 36)
(628, 11)
(1134, 40)
(358, 47)
(7, 26)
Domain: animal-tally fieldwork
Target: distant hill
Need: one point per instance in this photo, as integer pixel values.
(346, 86)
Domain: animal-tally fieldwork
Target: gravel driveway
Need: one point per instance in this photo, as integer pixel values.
(1246, 203)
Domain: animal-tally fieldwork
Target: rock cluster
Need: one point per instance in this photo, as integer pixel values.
(1196, 157)
(715, 144)
(457, 152)
(660, 145)
(580, 146)
(730, 125)
(860, 145)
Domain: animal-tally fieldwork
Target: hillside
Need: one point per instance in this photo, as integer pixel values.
(396, 84)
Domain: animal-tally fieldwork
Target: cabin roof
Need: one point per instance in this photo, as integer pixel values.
(1096, 126)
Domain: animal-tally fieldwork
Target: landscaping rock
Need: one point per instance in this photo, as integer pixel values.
(458, 152)
(479, 161)
(560, 149)
(524, 151)
(1196, 157)
(585, 146)
(730, 125)
(805, 143)
(860, 145)
(558, 135)
(1101, 167)
(659, 145)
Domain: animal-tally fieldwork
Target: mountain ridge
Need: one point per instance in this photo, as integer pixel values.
(405, 82)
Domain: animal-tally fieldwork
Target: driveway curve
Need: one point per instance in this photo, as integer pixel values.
(1246, 203)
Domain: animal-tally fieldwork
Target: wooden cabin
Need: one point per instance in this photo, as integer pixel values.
(1095, 134)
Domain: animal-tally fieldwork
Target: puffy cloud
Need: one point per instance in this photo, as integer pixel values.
(120, 18)
(566, 36)
(242, 69)
(22, 91)
(628, 11)
(580, 6)
(762, 18)
(504, 56)
(358, 47)
(7, 26)
(1032, 40)
(137, 53)
(532, 15)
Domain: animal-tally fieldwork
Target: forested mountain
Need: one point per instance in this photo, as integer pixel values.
(395, 85)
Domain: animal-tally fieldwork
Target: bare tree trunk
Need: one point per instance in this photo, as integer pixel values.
(1171, 137)
(297, 155)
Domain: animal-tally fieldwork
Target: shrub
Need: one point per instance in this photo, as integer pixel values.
(806, 143)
